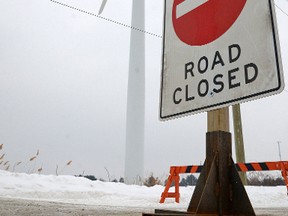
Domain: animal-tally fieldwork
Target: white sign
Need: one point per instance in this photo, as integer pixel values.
(218, 53)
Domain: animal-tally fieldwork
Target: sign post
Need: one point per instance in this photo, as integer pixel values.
(219, 190)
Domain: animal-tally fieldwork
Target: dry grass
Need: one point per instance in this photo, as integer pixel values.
(18, 163)
(32, 158)
(29, 165)
(40, 170)
(69, 162)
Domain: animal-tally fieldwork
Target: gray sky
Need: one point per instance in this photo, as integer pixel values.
(63, 91)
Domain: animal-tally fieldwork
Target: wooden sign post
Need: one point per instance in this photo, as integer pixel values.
(219, 190)
(218, 120)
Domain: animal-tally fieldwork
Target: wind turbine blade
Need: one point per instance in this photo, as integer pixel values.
(102, 7)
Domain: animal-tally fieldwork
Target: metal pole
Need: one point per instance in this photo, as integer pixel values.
(279, 149)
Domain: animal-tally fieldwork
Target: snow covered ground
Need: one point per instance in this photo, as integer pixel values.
(76, 190)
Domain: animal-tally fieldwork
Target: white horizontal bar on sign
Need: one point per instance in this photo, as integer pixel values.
(187, 6)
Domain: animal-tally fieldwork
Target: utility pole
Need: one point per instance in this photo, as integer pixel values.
(238, 137)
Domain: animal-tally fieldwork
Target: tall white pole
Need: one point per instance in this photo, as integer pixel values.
(134, 159)
(279, 150)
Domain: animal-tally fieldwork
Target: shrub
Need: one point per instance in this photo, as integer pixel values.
(90, 177)
(190, 180)
(260, 179)
(151, 181)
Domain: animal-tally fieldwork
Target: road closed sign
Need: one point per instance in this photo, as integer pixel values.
(218, 53)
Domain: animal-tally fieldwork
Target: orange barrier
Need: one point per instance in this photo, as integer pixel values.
(241, 167)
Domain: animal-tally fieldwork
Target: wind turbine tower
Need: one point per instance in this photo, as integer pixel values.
(134, 158)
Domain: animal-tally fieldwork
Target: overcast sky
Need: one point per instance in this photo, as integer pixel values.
(63, 91)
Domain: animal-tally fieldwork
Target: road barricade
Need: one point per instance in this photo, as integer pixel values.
(175, 172)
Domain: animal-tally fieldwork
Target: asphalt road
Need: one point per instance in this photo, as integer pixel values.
(11, 207)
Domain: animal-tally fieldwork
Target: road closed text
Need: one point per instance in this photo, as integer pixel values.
(223, 79)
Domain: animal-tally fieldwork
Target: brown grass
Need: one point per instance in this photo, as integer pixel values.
(69, 162)
(32, 158)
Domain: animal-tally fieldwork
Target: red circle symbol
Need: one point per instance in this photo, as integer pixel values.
(199, 22)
